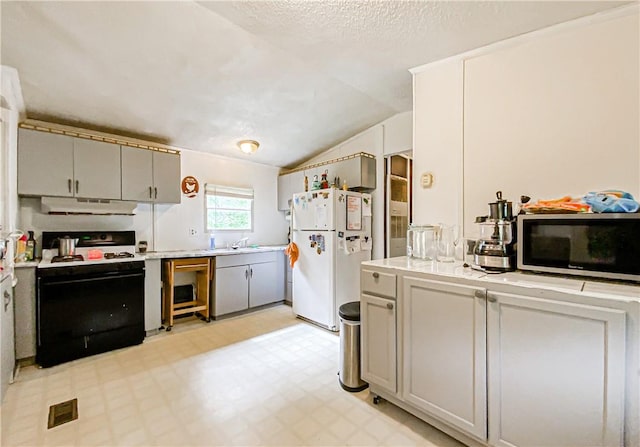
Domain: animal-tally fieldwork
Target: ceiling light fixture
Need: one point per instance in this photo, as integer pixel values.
(248, 146)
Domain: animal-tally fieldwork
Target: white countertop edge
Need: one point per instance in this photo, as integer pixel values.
(577, 286)
(209, 252)
(177, 254)
(26, 264)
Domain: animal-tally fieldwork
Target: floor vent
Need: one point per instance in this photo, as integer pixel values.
(62, 413)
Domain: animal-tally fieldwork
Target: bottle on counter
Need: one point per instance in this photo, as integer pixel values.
(30, 249)
(21, 248)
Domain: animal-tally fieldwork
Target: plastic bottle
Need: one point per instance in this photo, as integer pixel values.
(30, 249)
(21, 247)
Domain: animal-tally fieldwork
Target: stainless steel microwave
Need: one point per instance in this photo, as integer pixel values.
(598, 245)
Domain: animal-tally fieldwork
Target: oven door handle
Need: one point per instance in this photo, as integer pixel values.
(101, 277)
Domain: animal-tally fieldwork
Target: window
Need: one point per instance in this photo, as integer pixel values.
(229, 208)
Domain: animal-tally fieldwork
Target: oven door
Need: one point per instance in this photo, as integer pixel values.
(81, 313)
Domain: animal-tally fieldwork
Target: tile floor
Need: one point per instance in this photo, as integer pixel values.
(265, 378)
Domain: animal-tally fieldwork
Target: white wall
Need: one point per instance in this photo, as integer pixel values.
(438, 144)
(388, 137)
(398, 132)
(548, 114)
(555, 116)
(166, 227)
(173, 222)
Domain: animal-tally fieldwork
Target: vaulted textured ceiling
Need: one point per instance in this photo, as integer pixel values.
(298, 76)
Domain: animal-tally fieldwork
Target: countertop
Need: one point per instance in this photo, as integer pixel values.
(27, 264)
(186, 253)
(210, 253)
(457, 269)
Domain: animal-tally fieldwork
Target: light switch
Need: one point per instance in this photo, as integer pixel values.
(427, 180)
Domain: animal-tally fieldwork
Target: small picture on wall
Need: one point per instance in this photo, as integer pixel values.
(190, 186)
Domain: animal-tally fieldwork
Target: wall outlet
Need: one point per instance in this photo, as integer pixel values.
(193, 232)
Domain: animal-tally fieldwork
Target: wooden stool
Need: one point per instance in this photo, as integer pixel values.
(202, 268)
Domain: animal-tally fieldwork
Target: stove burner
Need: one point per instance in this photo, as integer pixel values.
(122, 254)
(67, 258)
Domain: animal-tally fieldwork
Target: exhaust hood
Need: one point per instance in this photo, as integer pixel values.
(63, 205)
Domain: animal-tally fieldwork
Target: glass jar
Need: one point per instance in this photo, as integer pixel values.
(421, 243)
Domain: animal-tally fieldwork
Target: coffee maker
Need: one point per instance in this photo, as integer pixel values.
(495, 248)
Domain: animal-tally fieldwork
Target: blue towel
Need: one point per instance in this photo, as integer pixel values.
(604, 202)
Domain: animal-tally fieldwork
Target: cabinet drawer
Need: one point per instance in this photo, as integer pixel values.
(378, 283)
(190, 264)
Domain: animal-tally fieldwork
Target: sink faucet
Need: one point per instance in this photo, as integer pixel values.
(241, 243)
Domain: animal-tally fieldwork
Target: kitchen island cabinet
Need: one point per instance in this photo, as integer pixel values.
(82, 168)
(150, 176)
(444, 368)
(556, 372)
(511, 360)
(378, 321)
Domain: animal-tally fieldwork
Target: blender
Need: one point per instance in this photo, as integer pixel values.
(495, 248)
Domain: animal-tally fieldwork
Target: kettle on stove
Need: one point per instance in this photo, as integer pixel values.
(67, 246)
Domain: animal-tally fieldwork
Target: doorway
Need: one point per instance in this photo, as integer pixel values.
(398, 171)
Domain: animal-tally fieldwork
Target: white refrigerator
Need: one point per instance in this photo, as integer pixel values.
(332, 229)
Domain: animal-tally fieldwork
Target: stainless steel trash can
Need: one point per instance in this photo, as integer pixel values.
(349, 374)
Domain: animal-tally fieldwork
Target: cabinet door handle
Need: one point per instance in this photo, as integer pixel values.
(246, 274)
(7, 299)
(491, 298)
(69, 184)
(251, 272)
(389, 306)
(376, 275)
(480, 293)
(150, 192)
(77, 186)
(156, 192)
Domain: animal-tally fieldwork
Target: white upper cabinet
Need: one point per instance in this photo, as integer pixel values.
(137, 174)
(96, 167)
(58, 165)
(51, 164)
(45, 164)
(150, 176)
(166, 177)
(288, 185)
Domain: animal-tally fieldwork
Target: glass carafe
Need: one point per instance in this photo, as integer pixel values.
(447, 241)
(421, 242)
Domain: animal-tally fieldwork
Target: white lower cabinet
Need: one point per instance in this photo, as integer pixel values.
(556, 373)
(152, 295)
(24, 294)
(247, 280)
(263, 281)
(7, 340)
(444, 368)
(503, 365)
(232, 288)
(378, 321)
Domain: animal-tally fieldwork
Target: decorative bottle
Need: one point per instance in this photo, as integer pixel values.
(30, 249)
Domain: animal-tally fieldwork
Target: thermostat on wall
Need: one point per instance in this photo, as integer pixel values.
(427, 180)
